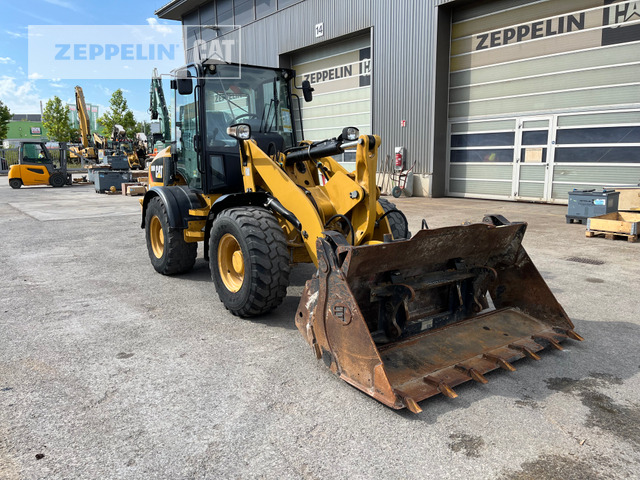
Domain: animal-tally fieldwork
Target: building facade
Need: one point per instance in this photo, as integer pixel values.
(92, 112)
(503, 99)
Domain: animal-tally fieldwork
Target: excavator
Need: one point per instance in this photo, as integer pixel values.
(122, 146)
(400, 317)
(89, 150)
(160, 119)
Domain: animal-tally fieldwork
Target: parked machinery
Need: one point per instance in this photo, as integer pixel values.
(400, 318)
(160, 119)
(36, 166)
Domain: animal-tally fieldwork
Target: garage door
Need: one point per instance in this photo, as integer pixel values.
(340, 73)
(544, 98)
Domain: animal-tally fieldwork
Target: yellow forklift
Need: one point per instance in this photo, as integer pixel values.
(36, 166)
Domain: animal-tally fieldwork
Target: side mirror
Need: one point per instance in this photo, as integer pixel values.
(307, 91)
(185, 83)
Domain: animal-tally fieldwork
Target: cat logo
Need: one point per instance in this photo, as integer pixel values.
(156, 172)
(621, 21)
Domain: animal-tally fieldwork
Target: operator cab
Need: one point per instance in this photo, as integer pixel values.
(35, 153)
(211, 97)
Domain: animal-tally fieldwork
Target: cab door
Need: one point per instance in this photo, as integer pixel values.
(34, 164)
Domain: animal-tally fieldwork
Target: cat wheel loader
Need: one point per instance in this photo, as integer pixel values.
(401, 318)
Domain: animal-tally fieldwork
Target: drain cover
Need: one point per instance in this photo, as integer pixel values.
(588, 261)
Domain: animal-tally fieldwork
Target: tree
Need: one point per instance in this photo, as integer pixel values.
(5, 116)
(55, 119)
(144, 127)
(118, 114)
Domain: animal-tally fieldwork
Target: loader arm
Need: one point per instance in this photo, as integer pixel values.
(352, 195)
(260, 170)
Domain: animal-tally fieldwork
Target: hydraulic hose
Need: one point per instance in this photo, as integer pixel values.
(337, 215)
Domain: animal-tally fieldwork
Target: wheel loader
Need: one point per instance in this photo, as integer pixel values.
(401, 318)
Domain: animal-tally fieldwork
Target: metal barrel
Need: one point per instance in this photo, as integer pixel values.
(406, 320)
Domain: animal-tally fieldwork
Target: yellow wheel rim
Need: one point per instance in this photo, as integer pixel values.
(157, 237)
(230, 262)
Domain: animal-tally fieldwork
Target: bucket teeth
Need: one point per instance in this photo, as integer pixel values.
(409, 402)
(412, 405)
(501, 362)
(444, 388)
(473, 373)
(571, 334)
(527, 351)
(548, 339)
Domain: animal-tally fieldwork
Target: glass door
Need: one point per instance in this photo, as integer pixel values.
(533, 158)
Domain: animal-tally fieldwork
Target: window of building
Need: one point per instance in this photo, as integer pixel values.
(265, 7)
(243, 10)
(208, 17)
(285, 3)
(225, 12)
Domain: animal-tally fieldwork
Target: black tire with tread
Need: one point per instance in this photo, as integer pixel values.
(265, 255)
(57, 180)
(396, 222)
(15, 183)
(178, 256)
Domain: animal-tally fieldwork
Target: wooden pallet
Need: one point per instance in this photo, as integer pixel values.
(611, 235)
(572, 219)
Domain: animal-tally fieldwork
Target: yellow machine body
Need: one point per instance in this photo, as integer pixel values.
(401, 318)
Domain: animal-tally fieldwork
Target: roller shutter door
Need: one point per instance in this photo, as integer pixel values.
(340, 73)
(544, 98)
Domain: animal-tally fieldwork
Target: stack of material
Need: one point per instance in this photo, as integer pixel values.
(134, 189)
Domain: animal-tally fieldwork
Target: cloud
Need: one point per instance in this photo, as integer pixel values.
(57, 85)
(141, 116)
(20, 98)
(35, 76)
(16, 34)
(155, 25)
(61, 3)
(105, 90)
(6, 60)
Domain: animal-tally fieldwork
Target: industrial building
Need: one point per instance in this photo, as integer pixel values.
(23, 126)
(505, 99)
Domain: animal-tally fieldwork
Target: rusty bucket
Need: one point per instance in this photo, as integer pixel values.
(406, 320)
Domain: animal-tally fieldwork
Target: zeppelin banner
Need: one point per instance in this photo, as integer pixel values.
(339, 72)
(554, 27)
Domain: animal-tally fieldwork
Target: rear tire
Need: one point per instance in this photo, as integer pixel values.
(398, 228)
(168, 251)
(15, 183)
(249, 261)
(57, 180)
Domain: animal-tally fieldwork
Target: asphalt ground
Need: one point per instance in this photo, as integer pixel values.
(110, 370)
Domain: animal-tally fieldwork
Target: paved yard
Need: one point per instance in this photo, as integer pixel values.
(109, 370)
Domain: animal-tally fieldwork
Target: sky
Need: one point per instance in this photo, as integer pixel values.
(23, 94)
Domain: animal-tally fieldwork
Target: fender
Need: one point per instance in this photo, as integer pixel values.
(178, 199)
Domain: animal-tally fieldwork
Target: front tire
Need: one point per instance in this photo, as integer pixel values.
(57, 180)
(168, 251)
(249, 261)
(15, 183)
(399, 230)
